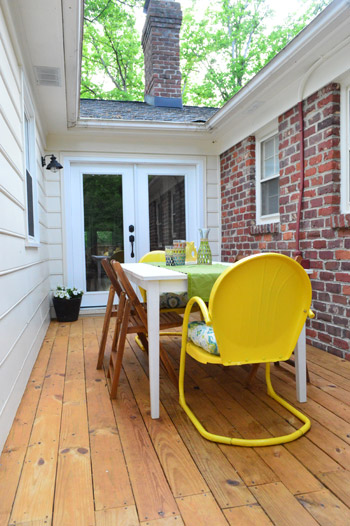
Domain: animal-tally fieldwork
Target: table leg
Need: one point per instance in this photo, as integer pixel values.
(300, 366)
(153, 345)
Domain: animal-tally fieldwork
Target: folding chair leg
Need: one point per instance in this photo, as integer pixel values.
(142, 342)
(115, 368)
(252, 374)
(118, 320)
(106, 323)
(167, 364)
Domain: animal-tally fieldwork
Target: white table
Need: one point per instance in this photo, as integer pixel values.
(156, 280)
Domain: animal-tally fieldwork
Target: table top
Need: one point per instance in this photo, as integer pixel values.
(151, 273)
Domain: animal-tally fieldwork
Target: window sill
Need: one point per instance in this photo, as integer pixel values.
(266, 228)
(32, 244)
(340, 221)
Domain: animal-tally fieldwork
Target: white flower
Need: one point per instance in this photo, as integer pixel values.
(67, 293)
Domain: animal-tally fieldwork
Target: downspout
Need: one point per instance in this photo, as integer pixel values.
(301, 131)
(302, 179)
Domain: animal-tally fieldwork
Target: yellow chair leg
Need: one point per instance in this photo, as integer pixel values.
(139, 343)
(240, 441)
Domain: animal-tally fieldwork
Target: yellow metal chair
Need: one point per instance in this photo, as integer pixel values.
(257, 309)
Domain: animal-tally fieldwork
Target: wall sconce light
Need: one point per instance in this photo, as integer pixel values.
(53, 165)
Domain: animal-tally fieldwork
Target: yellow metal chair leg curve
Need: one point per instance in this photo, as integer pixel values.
(240, 441)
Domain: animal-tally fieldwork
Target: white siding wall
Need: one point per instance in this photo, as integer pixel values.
(24, 271)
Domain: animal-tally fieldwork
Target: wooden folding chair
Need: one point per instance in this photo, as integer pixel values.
(131, 318)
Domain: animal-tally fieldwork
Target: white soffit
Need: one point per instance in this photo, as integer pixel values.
(38, 32)
(47, 76)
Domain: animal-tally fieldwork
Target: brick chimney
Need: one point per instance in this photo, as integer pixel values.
(160, 42)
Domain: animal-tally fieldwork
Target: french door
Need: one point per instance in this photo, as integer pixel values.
(123, 211)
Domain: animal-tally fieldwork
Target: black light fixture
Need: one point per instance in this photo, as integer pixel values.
(53, 165)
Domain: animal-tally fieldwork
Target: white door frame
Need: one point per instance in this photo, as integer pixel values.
(136, 169)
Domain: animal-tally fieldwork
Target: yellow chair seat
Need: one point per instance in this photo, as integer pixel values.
(202, 356)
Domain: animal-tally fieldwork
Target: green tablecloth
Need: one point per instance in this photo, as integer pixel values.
(200, 278)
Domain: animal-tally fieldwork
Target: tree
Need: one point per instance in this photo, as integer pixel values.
(111, 51)
(230, 45)
(220, 53)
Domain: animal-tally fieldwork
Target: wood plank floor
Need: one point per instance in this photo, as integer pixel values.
(74, 458)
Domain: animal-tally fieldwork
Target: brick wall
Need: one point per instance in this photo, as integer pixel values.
(160, 42)
(324, 231)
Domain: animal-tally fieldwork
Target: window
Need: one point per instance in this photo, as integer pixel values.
(267, 180)
(30, 171)
(345, 147)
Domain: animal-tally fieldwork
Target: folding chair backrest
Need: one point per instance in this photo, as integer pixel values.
(258, 309)
(129, 291)
(112, 276)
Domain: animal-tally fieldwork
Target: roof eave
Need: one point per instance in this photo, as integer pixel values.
(135, 125)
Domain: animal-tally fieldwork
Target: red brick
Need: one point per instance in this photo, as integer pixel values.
(342, 254)
(343, 344)
(342, 277)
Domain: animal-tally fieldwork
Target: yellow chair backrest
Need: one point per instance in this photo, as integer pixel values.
(258, 308)
(153, 256)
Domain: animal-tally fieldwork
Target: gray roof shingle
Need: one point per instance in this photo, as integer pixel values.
(140, 111)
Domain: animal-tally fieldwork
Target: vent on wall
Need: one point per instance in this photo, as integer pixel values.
(46, 76)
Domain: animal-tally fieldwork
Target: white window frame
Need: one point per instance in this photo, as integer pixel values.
(260, 138)
(29, 163)
(345, 145)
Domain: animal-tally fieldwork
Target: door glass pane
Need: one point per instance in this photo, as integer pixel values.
(103, 226)
(167, 219)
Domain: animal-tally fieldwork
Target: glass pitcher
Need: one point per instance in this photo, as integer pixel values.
(204, 252)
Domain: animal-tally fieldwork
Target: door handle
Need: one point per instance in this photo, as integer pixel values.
(132, 239)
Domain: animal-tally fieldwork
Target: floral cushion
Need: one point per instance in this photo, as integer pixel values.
(169, 300)
(203, 336)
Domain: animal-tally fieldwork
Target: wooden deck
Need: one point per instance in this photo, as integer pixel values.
(75, 458)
